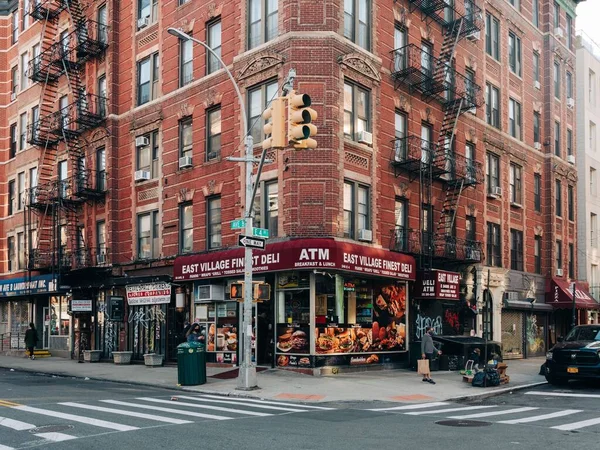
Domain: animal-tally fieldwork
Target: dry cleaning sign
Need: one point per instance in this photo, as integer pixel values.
(148, 294)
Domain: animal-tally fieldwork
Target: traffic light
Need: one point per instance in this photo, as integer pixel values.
(262, 291)
(275, 128)
(300, 117)
(236, 290)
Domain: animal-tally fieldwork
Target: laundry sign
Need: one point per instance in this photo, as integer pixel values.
(148, 294)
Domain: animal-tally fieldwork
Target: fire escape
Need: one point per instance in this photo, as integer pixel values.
(436, 80)
(56, 240)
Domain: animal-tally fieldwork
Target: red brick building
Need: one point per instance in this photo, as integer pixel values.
(414, 170)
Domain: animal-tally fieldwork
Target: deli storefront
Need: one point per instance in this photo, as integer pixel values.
(332, 304)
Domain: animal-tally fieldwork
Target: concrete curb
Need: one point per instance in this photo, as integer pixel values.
(487, 394)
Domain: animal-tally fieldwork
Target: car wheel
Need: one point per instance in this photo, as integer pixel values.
(556, 381)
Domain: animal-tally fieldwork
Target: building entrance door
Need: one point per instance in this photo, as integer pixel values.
(46, 327)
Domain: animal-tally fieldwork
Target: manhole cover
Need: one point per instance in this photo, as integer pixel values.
(463, 423)
(51, 428)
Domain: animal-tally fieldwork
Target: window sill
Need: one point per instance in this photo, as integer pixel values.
(357, 144)
(516, 205)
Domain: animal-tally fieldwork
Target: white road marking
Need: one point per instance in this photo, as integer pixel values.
(16, 424)
(229, 402)
(413, 406)
(267, 402)
(5, 447)
(494, 413)
(577, 425)
(56, 437)
(443, 411)
(566, 412)
(127, 413)
(214, 408)
(171, 410)
(562, 394)
(74, 418)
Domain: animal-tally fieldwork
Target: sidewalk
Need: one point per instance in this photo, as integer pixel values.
(391, 385)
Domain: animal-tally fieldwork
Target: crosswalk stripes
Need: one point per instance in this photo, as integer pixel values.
(495, 413)
(562, 394)
(408, 407)
(169, 410)
(56, 437)
(211, 407)
(444, 411)
(6, 447)
(269, 402)
(15, 424)
(231, 402)
(577, 425)
(127, 413)
(566, 412)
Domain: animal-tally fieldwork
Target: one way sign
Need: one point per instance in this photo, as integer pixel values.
(252, 242)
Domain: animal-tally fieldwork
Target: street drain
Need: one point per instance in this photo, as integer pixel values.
(51, 429)
(463, 423)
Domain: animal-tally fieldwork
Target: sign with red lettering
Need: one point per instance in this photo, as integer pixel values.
(298, 254)
(438, 284)
(148, 294)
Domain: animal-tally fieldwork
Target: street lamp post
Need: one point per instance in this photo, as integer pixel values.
(247, 372)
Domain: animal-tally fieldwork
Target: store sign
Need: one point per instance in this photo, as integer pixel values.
(148, 294)
(319, 254)
(81, 305)
(14, 287)
(438, 284)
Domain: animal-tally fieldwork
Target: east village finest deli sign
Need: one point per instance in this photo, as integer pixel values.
(298, 254)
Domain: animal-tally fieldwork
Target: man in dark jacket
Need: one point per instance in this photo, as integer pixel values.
(427, 350)
(31, 339)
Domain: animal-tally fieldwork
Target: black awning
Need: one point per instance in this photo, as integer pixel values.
(520, 304)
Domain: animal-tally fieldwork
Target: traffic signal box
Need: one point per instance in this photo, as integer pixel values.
(300, 118)
(275, 128)
(260, 292)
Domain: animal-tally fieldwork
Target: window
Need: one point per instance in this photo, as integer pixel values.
(515, 184)
(213, 139)
(536, 66)
(514, 118)
(182, 2)
(14, 74)
(186, 228)
(592, 87)
(514, 53)
(147, 229)
(400, 41)
(516, 250)
(556, 80)
(213, 39)
(263, 21)
(35, 122)
(100, 239)
(356, 209)
(25, 18)
(11, 197)
(558, 249)
(558, 197)
(101, 169)
(23, 131)
(516, 3)
(20, 190)
(63, 108)
(15, 26)
(213, 227)
(21, 251)
(492, 36)
(537, 192)
(593, 184)
(33, 182)
(24, 65)
(492, 172)
(258, 99)
(470, 230)
(569, 85)
(102, 25)
(147, 155)
(401, 230)
(569, 142)
(556, 17)
(400, 148)
(357, 115)
(536, 128)
(571, 258)
(427, 224)
(494, 250)
(266, 207)
(13, 140)
(357, 22)
(11, 252)
(147, 83)
(63, 178)
(147, 13)
(470, 87)
(592, 136)
(537, 254)
(186, 65)
(492, 105)
(571, 202)
(593, 230)
(535, 8)
(557, 151)
(185, 137)
(427, 149)
(103, 96)
(470, 162)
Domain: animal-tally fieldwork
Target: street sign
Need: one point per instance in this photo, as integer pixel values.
(238, 224)
(260, 232)
(251, 242)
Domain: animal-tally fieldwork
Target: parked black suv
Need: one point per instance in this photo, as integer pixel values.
(576, 357)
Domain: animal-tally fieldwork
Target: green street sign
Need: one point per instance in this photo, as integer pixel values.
(237, 224)
(260, 232)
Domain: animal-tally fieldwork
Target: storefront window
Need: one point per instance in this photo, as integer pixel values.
(59, 319)
(293, 318)
(3, 317)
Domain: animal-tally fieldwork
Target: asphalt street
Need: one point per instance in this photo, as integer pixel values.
(38, 411)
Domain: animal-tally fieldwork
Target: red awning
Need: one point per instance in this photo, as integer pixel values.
(561, 295)
(298, 254)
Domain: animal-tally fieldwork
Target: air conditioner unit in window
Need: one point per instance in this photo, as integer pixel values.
(571, 102)
(474, 36)
(537, 145)
(495, 192)
(559, 32)
(537, 85)
(142, 175)
(210, 292)
(101, 259)
(473, 254)
(13, 96)
(142, 141)
(185, 161)
(571, 159)
(143, 22)
(365, 235)
(559, 272)
(364, 137)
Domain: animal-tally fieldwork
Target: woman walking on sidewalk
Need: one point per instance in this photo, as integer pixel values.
(427, 349)
(31, 339)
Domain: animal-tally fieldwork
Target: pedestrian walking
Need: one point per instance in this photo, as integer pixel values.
(31, 339)
(427, 351)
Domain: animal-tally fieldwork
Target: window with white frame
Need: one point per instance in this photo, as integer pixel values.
(592, 136)
(492, 105)
(186, 62)
(492, 36)
(15, 26)
(213, 138)
(147, 13)
(258, 99)
(357, 116)
(147, 155)
(536, 127)
(20, 190)
(492, 172)
(514, 118)
(213, 222)
(516, 187)
(147, 235)
(357, 22)
(514, 53)
(263, 21)
(356, 209)
(213, 39)
(185, 137)
(186, 227)
(266, 206)
(24, 66)
(22, 131)
(147, 79)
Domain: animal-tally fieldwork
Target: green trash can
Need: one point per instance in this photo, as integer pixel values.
(191, 364)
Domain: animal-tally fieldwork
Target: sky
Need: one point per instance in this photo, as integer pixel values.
(588, 18)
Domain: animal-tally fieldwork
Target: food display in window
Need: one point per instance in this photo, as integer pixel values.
(292, 339)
